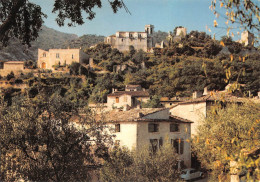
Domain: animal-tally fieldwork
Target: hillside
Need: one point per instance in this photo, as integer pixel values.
(48, 39)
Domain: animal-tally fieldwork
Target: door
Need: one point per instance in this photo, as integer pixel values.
(43, 65)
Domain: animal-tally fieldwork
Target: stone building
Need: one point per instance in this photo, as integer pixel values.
(150, 127)
(140, 40)
(13, 65)
(181, 31)
(47, 59)
(247, 38)
(132, 97)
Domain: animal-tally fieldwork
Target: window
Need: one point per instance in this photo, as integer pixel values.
(153, 145)
(174, 127)
(152, 127)
(57, 55)
(117, 127)
(44, 54)
(72, 56)
(117, 99)
(178, 144)
(122, 40)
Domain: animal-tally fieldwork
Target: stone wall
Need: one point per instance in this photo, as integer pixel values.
(4, 72)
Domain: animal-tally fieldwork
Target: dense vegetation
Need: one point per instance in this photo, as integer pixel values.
(230, 136)
(178, 70)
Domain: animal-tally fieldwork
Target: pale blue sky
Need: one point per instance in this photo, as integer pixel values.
(163, 14)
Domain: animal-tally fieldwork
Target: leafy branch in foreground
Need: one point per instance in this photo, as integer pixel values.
(41, 141)
(228, 136)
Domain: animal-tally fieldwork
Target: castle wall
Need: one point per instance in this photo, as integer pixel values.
(140, 40)
(122, 44)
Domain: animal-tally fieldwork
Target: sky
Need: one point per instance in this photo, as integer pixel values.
(165, 15)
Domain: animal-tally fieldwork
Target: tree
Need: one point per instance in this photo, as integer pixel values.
(211, 49)
(244, 12)
(228, 135)
(23, 19)
(123, 165)
(40, 140)
(153, 103)
(10, 75)
(131, 51)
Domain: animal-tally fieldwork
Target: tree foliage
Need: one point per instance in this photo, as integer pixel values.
(230, 134)
(241, 13)
(23, 19)
(123, 165)
(40, 140)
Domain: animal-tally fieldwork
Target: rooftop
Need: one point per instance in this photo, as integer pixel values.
(13, 62)
(136, 115)
(132, 93)
(216, 96)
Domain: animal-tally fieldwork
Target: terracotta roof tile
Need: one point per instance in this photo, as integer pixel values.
(130, 115)
(219, 96)
(132, 93)
(136, 115)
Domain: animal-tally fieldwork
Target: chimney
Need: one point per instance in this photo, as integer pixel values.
(258, 94)
(113, 90)
(205, 91)
(194, 95)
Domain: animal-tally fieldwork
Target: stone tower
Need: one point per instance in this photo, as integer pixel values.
(247, 38)
(149, 29)
(181, 31)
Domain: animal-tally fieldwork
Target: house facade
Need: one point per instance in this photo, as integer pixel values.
(196, 109)
(140, 40)
(150, 127)
(47, 59)
(132, 97)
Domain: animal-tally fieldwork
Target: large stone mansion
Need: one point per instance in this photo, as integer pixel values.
(47, 59)
(140, 40)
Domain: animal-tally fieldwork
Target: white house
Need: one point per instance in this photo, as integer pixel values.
(133, 96)
(150, 127)
(196, 109)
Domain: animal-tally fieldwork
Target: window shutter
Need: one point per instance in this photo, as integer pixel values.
(176, 145)
(160, 142)
(181, 147)
(117, 127)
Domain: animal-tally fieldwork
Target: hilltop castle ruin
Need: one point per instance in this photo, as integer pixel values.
(140, 40)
